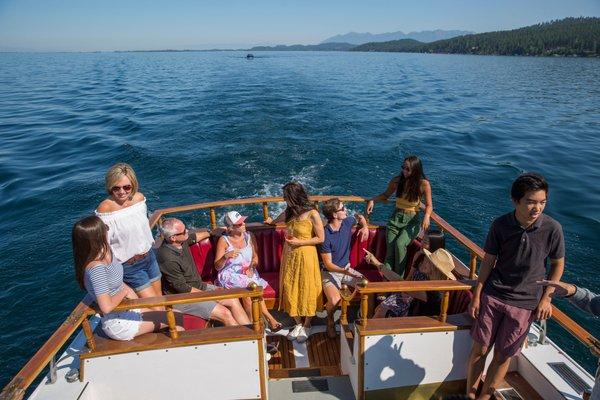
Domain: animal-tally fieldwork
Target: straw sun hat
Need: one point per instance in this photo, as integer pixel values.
(443, 261)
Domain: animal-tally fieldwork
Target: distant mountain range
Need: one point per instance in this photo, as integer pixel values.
(566, 37)
(422, 36)
(309, 47)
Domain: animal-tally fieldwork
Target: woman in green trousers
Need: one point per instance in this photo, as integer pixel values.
(411, 186)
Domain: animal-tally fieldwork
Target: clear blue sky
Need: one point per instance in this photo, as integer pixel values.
(90, 25)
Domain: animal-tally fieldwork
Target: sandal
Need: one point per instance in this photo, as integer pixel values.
(276, 328)
(272, 349)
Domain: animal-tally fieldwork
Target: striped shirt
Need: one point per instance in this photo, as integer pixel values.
(104, 279)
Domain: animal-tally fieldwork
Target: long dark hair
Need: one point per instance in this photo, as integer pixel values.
(89, 243)
(297, 200)
(410, 188)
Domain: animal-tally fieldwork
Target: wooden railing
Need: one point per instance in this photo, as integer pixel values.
(15, 390)
(476, 253)
(366, 288)
(264, 201)
(17, 386)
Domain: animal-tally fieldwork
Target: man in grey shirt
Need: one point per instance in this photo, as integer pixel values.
(587, 301)
(179, 275)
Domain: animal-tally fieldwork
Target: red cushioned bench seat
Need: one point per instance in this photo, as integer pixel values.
(270, 241)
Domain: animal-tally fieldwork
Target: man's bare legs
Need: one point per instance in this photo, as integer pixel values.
(230, 312)
(333, 298)
(475, 368)
(495, 375)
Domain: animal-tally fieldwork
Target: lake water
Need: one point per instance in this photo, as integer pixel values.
(203, 126)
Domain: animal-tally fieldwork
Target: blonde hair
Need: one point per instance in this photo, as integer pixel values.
(116, 173)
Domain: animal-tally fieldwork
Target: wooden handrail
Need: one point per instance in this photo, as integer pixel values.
(571, 326)
(187, 298)
(413, 286)
(576, 330)
(156, 215)
(15, 390)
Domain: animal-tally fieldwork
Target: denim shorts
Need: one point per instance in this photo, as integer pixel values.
(142, 273)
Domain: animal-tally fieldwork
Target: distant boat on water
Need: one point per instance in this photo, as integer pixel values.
(249, 56)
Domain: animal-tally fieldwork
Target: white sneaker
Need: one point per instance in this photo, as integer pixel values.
(303, 335)
(293, 335)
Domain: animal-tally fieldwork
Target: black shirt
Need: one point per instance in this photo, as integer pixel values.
(521, 256)
(178, 269)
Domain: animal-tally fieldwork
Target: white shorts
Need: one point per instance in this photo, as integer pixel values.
(123, 325)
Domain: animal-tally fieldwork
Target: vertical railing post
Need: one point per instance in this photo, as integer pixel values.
(364, 309)
(172, 324)
(473, 265)
(256, 321)
(89, 336)
(364, 303)
(265, 207)
(444, 307)
(213, 218)
(344, 305)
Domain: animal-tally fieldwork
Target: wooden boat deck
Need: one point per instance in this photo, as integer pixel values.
(323, 357)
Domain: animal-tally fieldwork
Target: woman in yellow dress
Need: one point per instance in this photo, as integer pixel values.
(300, 290)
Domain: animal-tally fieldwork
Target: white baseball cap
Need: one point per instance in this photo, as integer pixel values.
(234, 218)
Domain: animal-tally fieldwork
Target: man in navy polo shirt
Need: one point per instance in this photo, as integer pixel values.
(335, 254)
(507, 297)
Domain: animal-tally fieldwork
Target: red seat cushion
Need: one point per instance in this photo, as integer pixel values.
(272, 290)
(191, 322)
(459, 301)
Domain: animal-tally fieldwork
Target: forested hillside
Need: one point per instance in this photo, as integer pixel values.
(566, 37)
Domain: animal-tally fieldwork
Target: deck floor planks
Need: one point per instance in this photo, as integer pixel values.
(323, 354)
(515, 380)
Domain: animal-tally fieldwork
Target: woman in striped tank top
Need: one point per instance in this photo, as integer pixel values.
(102, 277)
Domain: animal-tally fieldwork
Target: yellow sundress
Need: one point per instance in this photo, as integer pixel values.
(300, 290)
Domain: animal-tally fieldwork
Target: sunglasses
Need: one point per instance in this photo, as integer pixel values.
(341, 209)
(126, 188)
(185, 232)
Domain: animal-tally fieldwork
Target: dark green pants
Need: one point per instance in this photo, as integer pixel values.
(401, 229)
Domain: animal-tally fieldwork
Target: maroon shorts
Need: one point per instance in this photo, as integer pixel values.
(502, 325)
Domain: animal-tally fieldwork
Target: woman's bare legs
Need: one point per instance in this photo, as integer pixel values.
(150, 291)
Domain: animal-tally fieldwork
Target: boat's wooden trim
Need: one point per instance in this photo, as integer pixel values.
(413, 286)
(17, 386)
(386, 326)
(284, 373)
(476, 252)
(15, 390)
(263, 201)
(162, 340)
(187, 298)
(576, 330)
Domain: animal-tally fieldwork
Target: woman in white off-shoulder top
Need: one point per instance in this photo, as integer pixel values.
(124, 211)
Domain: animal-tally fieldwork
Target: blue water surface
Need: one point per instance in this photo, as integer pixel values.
(201, 126)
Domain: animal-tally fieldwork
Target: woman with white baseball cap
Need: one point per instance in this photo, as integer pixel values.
(236, 259)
